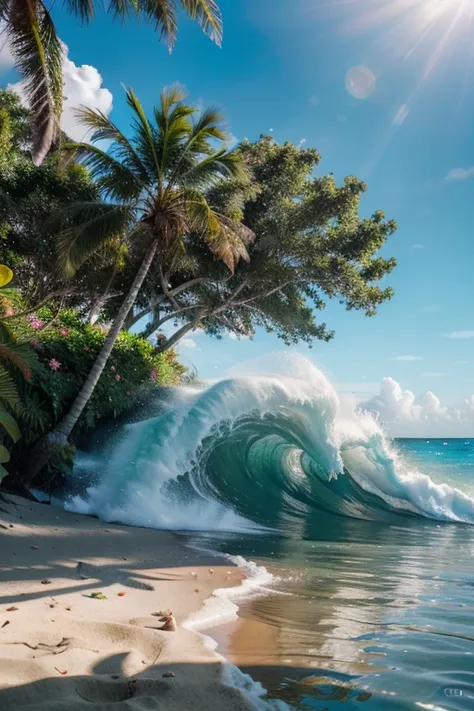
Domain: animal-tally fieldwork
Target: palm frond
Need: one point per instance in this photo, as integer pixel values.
(93, 224)
(172, 95)
(105, 130)
(114, 178)
(164, 14)
(207, 13)
(38, 56)
(205, 129)
(172, 126)
(208, 126)
(19, 354)
(226, 239)
(83, 8)
(8, 391)
(213, 169)
(171, 108)
(145, 138)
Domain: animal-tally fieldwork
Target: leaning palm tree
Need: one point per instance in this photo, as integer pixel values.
(29, 30)
(153, 186)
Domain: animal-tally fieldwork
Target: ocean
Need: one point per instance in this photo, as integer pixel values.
(364, 545)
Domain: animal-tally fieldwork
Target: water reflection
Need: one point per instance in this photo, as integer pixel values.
(379, 614)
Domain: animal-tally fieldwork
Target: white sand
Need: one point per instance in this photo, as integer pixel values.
(63, 650)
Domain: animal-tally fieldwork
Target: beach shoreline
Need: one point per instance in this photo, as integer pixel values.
(78, 624)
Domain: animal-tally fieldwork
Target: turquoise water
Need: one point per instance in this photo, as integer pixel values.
(374, 616)
(370, 541)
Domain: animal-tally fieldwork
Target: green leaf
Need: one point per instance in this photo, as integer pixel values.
(8, 391)
(3, 473)
(4, 454)
(7, 421)
(98, 596)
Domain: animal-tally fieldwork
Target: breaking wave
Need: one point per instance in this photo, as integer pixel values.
(263, 451)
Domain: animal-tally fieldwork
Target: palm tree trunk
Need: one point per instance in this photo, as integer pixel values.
(102, 299)
(43, 450)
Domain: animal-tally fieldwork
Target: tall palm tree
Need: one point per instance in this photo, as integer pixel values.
(153, 186)
(31, 34)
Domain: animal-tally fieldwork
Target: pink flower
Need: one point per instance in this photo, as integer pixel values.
(86, 348)
(153, 375)
(128, 393)
(117, 377)
(35, 322)
(64, 332)
(112, 367)
(34, 343)
(54, 364)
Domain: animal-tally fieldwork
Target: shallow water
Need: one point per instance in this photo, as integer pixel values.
(362, 612)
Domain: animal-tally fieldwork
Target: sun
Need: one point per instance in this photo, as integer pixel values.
(430, 28)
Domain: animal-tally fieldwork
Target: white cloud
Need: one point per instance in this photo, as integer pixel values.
(407, 357)
(188, 343)
(418, 246)
(461, 362)
(302, 142)
(82, 87)
(460, 173)
(460, 334)
(405, 415)
(271, 130)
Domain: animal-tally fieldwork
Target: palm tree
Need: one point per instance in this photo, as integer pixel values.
(30, 32)
(153, 188)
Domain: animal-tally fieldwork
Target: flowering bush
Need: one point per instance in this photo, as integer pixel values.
(66, 349)
(35, 322)
(54, 364)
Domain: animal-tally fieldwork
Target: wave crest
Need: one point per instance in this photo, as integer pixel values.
(268, 451)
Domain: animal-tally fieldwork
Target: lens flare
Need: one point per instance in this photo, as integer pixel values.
(360, 82)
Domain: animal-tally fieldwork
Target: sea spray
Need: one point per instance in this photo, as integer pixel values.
(274, 451)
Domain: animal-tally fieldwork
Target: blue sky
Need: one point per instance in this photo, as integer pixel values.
(283, 66)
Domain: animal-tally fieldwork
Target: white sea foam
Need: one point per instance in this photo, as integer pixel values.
(136, 486)
(221, 607)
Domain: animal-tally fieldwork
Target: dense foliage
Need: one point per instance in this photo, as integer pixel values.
(310, 245)
(65, 348)
(29, 195)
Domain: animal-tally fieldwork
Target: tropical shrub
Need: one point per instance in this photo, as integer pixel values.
(17, 356)
(66, 348)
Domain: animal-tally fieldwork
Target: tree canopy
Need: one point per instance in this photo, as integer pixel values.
(310, 245)
(29, 195)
